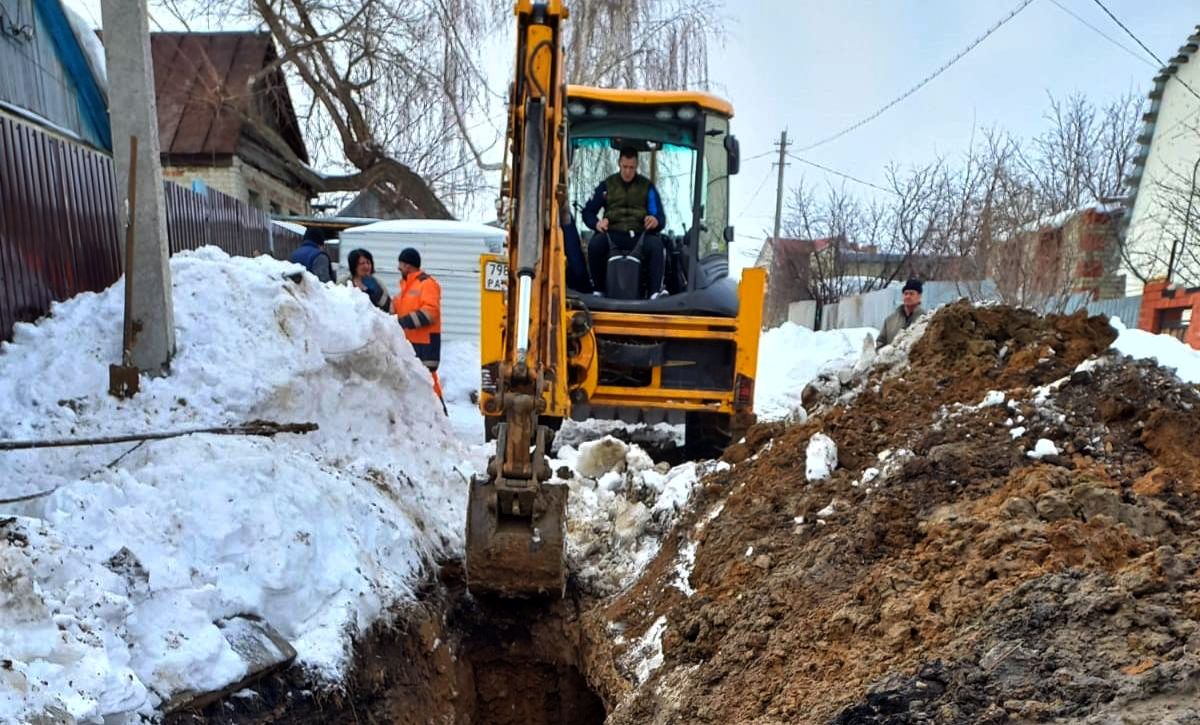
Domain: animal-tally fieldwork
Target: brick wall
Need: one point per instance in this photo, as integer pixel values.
(238, 180)
(1163, 304)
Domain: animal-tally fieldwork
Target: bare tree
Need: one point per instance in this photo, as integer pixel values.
(394, 93)
(999, 214)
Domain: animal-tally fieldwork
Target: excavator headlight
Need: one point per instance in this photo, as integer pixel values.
(598, 110)
(576, 108)
(664, 114)
(686, 113)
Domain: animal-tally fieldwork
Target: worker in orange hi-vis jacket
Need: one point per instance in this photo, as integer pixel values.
(418, 306)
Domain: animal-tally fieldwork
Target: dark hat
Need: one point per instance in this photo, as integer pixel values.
(411, 256)
(314, 234)
(914, 285)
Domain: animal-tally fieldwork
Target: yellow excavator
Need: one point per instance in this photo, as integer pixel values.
(551, 349)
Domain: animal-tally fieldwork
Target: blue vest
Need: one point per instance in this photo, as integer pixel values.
(306, 254)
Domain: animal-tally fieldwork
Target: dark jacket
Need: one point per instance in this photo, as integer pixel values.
(376, 293)
(631, 202)
(896, 322)
(315, 259)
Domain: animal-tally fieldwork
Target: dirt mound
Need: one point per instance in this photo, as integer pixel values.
(950, 570)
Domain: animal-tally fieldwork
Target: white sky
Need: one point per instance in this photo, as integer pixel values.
(817, 66)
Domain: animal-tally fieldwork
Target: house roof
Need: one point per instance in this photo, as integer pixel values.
(1146, 137)
(201, 86)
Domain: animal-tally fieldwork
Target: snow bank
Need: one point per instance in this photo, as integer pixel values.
(122, 575)
(790, 356)
(1166, 350)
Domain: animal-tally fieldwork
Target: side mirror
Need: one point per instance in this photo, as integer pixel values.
(734, 153)
(728, 234)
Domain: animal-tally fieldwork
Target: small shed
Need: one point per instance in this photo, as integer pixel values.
(450, 251)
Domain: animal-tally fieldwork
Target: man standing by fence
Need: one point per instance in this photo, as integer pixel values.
(906, 314)
(313, 256)
(418, 306)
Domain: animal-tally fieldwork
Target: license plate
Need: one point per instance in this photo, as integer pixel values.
(495, 277)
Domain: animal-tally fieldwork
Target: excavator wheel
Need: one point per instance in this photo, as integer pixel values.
(516, 536)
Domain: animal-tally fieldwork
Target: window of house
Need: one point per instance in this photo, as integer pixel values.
(254, 199)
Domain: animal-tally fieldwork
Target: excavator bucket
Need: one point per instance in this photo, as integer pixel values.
(516, 540)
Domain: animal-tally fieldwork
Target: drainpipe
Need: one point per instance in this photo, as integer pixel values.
(1187, 222)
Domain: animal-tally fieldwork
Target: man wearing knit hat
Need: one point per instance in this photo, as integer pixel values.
(906, 314)
(418, 307)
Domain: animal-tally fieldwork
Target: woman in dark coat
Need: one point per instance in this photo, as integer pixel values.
(362, 275)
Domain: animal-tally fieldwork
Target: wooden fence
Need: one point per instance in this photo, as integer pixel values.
(59, 226)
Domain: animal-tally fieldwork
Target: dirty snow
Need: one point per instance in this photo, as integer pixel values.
(790, 356)
(1044, 447)
(820, 457)
(1164, 349)
(120, 575)
(620, 504)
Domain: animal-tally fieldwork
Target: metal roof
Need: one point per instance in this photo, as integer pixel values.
(201, 85)
(651, 98)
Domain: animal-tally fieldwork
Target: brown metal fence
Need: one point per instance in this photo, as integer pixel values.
(59, 226)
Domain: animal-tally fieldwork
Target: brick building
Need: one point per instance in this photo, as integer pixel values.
(1171, 310)
(1075, 252)
(208, 89)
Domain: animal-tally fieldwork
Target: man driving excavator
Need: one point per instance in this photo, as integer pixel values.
(633, 212)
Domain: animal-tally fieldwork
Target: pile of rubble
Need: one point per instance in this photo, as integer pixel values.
(1008, 529)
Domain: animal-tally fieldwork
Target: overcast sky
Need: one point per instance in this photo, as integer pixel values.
(818, 66)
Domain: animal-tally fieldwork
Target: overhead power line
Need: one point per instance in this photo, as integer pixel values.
(1138, 40)
(1141, 58)
(842, 174)
(925, 81)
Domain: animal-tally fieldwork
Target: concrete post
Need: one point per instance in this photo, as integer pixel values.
(133, 112)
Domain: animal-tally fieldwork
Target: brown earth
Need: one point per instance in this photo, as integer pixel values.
(963, 582)
(968, 583)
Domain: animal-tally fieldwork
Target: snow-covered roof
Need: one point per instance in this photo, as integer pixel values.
(432, 227)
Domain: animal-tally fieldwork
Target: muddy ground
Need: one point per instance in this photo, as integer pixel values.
(939, 575)
(966, 582)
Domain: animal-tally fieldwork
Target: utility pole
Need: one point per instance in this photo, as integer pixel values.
(133, 113)
(783, 144)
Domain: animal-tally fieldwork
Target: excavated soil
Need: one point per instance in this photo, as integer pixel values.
(939, 575)
(966, 582)
(450, 658)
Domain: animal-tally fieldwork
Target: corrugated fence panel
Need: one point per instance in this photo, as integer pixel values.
(60, 228)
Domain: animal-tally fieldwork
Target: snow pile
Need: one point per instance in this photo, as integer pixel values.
(1043, 448)
(790, 356)
(1166, 350)
(120, 577)
(620, 504)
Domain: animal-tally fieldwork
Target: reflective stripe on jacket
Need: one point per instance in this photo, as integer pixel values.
(418, 306)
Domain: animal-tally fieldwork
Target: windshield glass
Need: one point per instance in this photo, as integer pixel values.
(714, 193)
(672, 169)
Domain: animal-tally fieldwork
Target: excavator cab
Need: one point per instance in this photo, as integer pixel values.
(551, 350)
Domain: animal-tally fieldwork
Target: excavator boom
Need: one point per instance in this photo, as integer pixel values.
(516, 520)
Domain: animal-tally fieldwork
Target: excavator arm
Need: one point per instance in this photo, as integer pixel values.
(516, 520)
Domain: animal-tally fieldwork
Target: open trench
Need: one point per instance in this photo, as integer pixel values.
(449, 658)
